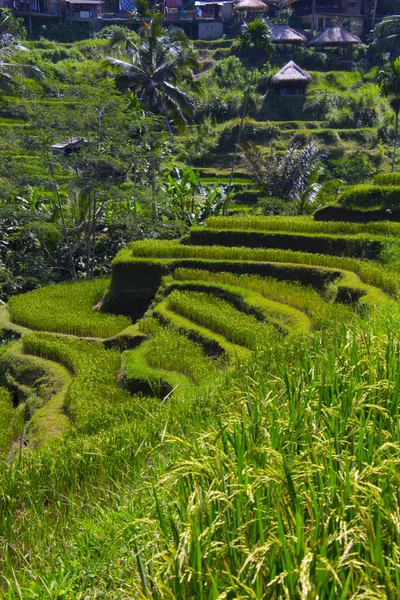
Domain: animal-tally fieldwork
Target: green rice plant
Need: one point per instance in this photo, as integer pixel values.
(11, 422)
(39, 387)
(368, 271)
(220, 316)
(172, 351)
(93, 399)
(215, 345)
(355, 246)
(304, 298)
(67, 308)
(303, 225)
(139, 377)
(296, 489)
(287, 320)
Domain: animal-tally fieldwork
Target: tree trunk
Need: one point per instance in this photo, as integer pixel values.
(93, 235)
(314, 10)
(88, 230)
(374, 14)
(134, 193)
(60, 208)
(395, 139)
(246, 101)
(153, 191)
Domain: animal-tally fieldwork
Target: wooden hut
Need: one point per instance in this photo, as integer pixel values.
(334, 37)
(291, 79)
(251, 6)
(283, 34)
(69, 146)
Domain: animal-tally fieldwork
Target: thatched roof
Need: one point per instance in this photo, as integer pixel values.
(335, 36)
(283, 34)
(251, 6)
(291, 73)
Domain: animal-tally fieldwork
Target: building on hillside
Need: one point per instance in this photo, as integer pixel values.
(251, 7)
(33, 7)
(327, 12)
(70, 146)
(285, 35)
(204, 20)
(291, 79)
(84, 9)
(199, 19)
(335, 37)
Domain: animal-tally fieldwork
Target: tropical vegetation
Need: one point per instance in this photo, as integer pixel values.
(199, 283)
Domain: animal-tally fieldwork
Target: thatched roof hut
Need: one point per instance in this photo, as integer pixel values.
(335, 36)
(283, 34)
(292, 79)
(251, 6)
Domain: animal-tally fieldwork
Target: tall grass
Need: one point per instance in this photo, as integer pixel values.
(303, 225)
(279, 482)
(11, 421)
(221, 317)
(67, 308)
(293, 494)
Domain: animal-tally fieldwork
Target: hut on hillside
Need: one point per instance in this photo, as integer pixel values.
(250, 6)
(334, 37)
(283, 34)
(291, 79)
(70, 146)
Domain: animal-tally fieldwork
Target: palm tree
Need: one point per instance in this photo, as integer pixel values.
(389, 81)
(158, 66)
(8, 47)
(255, 39)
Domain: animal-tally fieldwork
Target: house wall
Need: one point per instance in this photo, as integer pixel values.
(322, 21)
(212, 30)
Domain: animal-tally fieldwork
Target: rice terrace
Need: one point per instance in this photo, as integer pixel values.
(199, 300)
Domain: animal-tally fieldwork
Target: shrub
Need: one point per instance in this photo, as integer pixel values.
(310, 59)
(302, 138)
(363, 136)
(252, 131)
(352, 169)
(328, 136)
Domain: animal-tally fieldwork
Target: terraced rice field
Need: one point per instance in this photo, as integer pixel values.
(257, 397)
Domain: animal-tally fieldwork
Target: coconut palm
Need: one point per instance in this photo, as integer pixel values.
(389, 81)
(158, 67)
